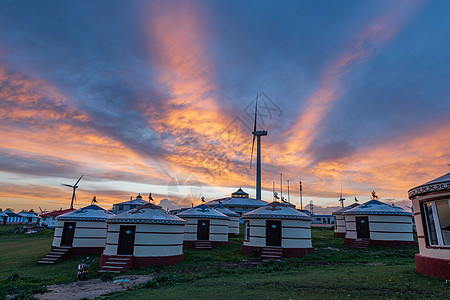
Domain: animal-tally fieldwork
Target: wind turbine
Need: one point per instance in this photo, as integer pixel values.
(341, 199)
(258, 134)
(75, 186)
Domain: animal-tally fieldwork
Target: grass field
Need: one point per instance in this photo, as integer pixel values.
(332, 271)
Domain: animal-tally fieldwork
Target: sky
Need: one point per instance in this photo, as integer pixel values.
(158, 97)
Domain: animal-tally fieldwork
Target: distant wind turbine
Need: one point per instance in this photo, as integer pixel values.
(257, 134)
(341, 199)
(74, 187)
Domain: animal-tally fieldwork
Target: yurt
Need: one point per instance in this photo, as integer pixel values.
(80, 232)
(431, 205)
(239, 202)
(3, 217)
(146, 235)
(378, 224)
(205, 227)
(277, 230)
(339, 221)
(127, 205)
(233, 223)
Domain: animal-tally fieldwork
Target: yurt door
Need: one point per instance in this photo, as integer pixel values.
(273, 233)
(126, 240)
(68, 233)
(362, 227)
(203, 230)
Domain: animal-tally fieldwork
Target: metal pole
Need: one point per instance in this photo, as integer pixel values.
(301, 196)
(273, 190)
(289, 196)
(281, 186)
(258, 168)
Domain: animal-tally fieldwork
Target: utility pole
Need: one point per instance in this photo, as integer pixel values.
(281, 186)
(311, 207)
(289, 196)
(273, 190)
(301, 196)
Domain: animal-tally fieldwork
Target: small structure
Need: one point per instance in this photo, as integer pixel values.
(276, 230)
(13, 218)
(239, 202)
(322, 219)
(339, 221)
(143, 236)
(80, 232)
(378, 224)
(205, 227)
(49, 219)
(431, 206)
(3, 217)
(29, 217)
(121, 207)
(233, 224)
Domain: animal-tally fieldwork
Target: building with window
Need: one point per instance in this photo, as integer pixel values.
(239, 202)
(431, 206)
(49, 219)
(121, 207)
(339, 221)
(3, 217)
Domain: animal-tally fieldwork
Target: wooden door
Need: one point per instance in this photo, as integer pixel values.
(68, 233)
(203, 230)
(126, 240)
(273, 233)
(362, 227)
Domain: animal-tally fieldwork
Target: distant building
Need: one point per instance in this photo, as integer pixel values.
(322, 219)
(339, 228)
(29, 217)
(3, 217)
(13, 218)
(49, 219)
(127, 205)
(239, 202)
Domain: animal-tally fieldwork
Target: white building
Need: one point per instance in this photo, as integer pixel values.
(49, 219)
(378, 224)
(143, 236)
(121, 207)
(339, 221)
(13, 218)
(239, 202)
(29, 217)
(233, 224)
(277, 230)
(431, 205)
(206, 225)
(80, 232)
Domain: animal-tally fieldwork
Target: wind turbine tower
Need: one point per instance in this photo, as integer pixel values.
(341, 199)
(74, 187)
(257, 134)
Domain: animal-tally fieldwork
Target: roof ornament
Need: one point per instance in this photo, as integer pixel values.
(275, 196)
(150, 199)
(139, 196)
(374, 196)
(274, 206)
(94, 200)
(356, 200)
(203, 199)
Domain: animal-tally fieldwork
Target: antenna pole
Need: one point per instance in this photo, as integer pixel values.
(301, 196)
(289, 196)
(273, 190)
(281, 186)
(311, 206)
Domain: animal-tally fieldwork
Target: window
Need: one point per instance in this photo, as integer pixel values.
(436, 216)
(246, 231)
(120, 207)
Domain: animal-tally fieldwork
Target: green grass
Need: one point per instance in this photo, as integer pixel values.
(332, 271)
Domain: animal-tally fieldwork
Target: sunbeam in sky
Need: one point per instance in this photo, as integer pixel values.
(158, 96)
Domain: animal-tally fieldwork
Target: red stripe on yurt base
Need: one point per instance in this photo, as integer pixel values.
(339, 234)
(287, 252)
(431, 266)
(381, 243)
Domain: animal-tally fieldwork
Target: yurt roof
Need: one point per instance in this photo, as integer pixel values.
(148, 213)
(276, 210)
(137, 201)
(57, 212)
(2, 214)
(89, 213)
(226, 211)
(239, 201)
(340, 211)
(202, 211)
(12, 214)
(439, 184)
(375, 207)
(26, 214)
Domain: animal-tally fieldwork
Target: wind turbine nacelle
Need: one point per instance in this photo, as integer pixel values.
(260, 132)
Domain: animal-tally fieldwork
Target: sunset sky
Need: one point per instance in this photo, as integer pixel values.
(158, 96)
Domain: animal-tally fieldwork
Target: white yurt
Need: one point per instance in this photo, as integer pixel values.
(239, 202)
(431, 205)
(339, 221)
(80, 232)
(205, 227)
(378, 224)
(233, 224)
(146, 235)
(277, 230)
(127, 205)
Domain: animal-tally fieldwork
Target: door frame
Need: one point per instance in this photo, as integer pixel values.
(358, 235)
(65, 242)
(120, 244)
(270, 223)
(198, 229)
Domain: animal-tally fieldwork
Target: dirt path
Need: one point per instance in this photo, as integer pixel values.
(92, 288)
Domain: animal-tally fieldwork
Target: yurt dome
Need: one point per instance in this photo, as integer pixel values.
(339, 221)
(3, 217)
(277, 229)
(233, 224)
(205, 227)
(239, 202)
(431, 206)
(146, 235)
(127, 205)
(79, 232)
(378, 224)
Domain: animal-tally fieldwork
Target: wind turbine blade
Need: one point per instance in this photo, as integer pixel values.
(67, 185)
(254, 130)
(78, 180)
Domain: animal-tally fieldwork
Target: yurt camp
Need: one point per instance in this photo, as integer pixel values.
(233, 223)
(277, 230)
(431, 205)
(378, 224)
(239, 202)
(339, 221)
(146, 235)
(205, 227)
(79, 232)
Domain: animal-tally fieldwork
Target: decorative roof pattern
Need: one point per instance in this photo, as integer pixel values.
(203, 211)
(340, 211)
(375, 207)
(276, 210)
(226, 211)
(148, 214)
(88, 213)
(137, 201)
(439, 184)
